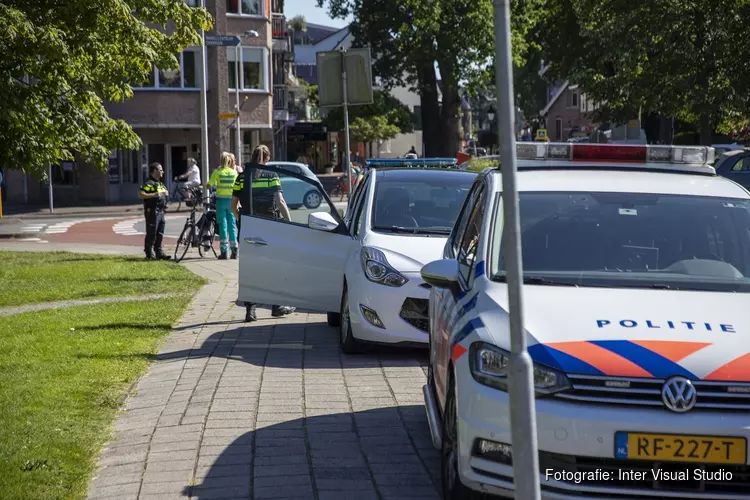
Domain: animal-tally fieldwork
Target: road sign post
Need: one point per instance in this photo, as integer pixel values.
(520, 367)
(345, 79)
(204, 110)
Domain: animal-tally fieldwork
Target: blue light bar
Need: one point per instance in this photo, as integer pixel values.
(411, 162)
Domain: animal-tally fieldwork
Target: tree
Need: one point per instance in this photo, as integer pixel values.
(397, 113)
(376, 128)
(672, 57)
(298, 23)
(408, 38)
(62, 60)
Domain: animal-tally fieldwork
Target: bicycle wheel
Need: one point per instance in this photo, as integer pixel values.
(183, 242)
(211, 238)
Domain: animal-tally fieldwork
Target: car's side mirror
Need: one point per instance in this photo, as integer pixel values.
(322, 221)
(442, 274)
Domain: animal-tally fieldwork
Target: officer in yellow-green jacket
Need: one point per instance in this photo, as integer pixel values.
(224, 178)
(154, 195)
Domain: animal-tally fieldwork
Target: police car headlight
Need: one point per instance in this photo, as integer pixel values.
(489, 366)
(378, 270)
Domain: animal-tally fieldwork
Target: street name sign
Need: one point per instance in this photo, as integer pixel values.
(221, 41)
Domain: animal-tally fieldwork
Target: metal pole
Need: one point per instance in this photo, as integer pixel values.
(238, 132)
(346, 128)
(520, 368)
(204, 110)
(51, 203)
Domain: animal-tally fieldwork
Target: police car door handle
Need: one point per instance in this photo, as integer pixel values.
(255, 241)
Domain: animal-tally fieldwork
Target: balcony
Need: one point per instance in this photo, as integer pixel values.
(278, 26)
(280, 97)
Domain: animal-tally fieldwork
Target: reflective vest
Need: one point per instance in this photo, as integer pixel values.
(223, 179)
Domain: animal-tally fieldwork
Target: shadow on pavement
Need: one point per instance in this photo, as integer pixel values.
(382, 453)
(294, 345)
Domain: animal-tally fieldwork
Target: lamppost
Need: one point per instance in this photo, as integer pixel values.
(491, 117)
(238, 131)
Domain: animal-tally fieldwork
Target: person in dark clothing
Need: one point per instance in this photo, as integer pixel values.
(154, 195)
(267, 201)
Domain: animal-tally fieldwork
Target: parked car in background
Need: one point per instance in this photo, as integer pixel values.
(735, 165)
(297, 193)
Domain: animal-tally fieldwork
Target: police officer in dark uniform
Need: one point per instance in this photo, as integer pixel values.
(154, 195)
(267, 201)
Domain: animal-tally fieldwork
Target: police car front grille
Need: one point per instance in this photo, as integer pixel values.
(647, 392)
(631, 474)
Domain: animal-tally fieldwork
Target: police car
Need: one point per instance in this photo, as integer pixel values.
(637, 283)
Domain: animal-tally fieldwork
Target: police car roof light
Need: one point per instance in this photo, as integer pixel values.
(682, 158)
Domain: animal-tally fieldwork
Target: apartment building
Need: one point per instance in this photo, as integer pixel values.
(165, 110)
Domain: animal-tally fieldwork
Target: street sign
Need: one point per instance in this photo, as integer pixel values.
(222, 41)
(358, 65)
(227, 116)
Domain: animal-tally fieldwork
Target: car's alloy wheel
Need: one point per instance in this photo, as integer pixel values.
(312, 199)
(347, 342)
(453, 488)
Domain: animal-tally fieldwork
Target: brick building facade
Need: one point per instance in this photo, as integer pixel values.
(165, 113)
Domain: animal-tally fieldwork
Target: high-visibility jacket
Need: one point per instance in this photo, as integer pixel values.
(223, 179)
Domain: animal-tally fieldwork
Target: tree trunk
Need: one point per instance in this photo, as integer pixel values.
(706, 130)
(450, 118)
(430, 111)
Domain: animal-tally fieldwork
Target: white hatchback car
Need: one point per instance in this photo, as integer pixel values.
(363, 268)
(637, 283)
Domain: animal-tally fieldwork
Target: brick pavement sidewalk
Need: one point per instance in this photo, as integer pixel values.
(272, 410)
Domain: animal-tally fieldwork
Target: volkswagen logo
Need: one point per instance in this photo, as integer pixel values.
(678, 394)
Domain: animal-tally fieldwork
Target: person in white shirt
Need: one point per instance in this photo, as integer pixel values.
(192, 174)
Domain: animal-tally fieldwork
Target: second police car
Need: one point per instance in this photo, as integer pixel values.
(637, 283)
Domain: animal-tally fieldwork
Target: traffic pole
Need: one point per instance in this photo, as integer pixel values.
(204, 110)
(346, 128)
(520, 367)
(50, 191)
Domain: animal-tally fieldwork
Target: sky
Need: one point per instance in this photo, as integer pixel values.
(312, 13)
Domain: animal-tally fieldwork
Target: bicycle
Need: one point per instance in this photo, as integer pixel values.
(194, 232)
(179, 194)
(341, 188)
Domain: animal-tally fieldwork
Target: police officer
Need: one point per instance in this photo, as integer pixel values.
(267, 201)
(154, 195)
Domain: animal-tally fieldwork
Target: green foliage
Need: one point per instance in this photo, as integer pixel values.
(63, 60)
(298, 23)
(481, 164)
(672, 57)
(371, 129)
(384, 106)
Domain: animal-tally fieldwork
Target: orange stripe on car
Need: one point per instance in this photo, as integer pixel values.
(737, 370)
(673, 350)
(458, 351)
(600, 358)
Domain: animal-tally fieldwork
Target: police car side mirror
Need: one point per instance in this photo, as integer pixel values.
(442, 274)
(322, 221)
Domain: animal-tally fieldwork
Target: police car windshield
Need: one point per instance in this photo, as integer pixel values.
(418, 203)
(633, 240)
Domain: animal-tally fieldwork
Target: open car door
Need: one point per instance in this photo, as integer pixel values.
(298, 262)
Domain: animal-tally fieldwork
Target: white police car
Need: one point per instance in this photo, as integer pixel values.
(637, 283)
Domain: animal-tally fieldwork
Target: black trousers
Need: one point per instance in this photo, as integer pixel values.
(154, 231)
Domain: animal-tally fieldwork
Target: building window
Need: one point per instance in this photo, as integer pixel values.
(193, 3)
(64, 173)
(250, 140)
(575, 100)
(558, 129)
(185, 76)
(245, 7)
(254, 74)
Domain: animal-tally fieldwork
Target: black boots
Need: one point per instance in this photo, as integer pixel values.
(250, 313)
(234, 254)
(276, 312)
(223, 256)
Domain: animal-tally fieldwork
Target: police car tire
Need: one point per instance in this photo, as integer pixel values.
(456, 491)
(334, 319)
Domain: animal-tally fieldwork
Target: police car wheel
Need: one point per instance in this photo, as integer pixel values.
(453, 488)
(347, 342)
